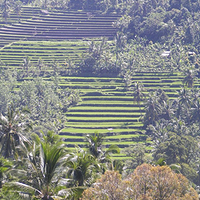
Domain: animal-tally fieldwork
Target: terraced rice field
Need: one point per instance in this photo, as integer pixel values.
(107, 108)
(47, 51)
(57, 25)
(56, 36)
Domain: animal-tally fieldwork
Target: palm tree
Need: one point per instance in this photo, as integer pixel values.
(159, 132)
(178, 108)
(12, 131)
(195, 111)
(138, 93)
(39, 66)
(43, 172)
(179, 127)
(18, 8)
(81, 167)
(51, 138)
(120, 42)
(184, 103)
(189, 79)
(95, 147)
(184, 97)
(167, 110)
(153, 110)
(26, 65)
(127, 80)
(94, 144)
(162, 97)
(6, 9)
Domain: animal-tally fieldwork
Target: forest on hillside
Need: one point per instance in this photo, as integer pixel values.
(153, 37)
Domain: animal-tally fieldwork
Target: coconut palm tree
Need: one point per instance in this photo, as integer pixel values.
(81, 166)
(167, 110)
(179, 127)
(195, 111)
(12, 131)
(184, 97)
(138, 93)
(18, 8)
(6, 10)
(178, 108)
(26, 65)
(43, 171)
(162, 97)
(189, 79)
(159, 132)
(153, 110)
(95, 146)
(184, 103)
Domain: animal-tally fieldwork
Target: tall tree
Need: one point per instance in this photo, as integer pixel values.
(18, 8)
(109, 186)
(138, 93)
(189, 79)
(95, 145)
(160, 182)
(26, 65)
(12, 131)
(81, 167)
(153, 110)
(43, 171)
(6, 10)
(147, 182)
(177, 149)
(195, 111)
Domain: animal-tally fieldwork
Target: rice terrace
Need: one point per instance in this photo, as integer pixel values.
(124, 72)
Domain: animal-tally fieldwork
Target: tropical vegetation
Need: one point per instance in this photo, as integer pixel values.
(99, 99)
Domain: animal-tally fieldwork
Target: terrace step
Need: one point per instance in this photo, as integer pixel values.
(105, 125)
(134, 138)
(104, 115)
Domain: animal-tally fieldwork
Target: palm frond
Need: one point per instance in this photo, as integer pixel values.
(74, 192)
(3, 120)
(42, 158)
(18, 172)
(64, 181)
(26, 110)
(113, 149)
(21, 187)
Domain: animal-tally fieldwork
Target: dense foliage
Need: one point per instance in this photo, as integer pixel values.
(45, 100)
(147, 182)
